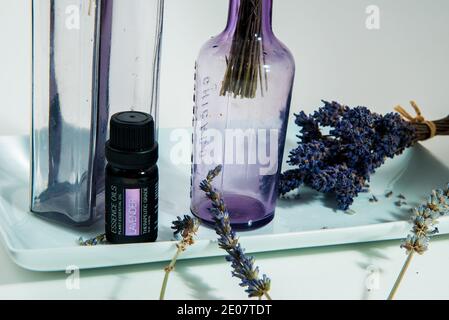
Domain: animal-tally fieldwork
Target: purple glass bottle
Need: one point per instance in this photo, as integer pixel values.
(243, 84)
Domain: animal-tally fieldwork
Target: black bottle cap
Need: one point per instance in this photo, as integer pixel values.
(132, 143)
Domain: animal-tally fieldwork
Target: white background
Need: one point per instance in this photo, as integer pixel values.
(337, 58)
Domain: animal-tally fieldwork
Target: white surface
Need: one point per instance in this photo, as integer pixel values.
(309, 221)
(337, 58)
(326, 273)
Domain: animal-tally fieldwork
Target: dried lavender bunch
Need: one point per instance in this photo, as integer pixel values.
(244, 67)
(424, 220)
(243, 266)
(187, 228)
(359, 141)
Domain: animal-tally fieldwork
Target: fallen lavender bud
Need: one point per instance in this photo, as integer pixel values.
(389, 194)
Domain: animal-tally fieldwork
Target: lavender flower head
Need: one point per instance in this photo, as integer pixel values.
(424, 220)
(243, 266)
(185, 228)
(341, 162)
(184, 225)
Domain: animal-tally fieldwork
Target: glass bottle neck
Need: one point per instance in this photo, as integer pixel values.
(263, 12)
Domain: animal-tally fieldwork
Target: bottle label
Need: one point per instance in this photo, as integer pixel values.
(131, 211)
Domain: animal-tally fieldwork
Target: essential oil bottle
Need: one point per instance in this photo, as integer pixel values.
(131, 179)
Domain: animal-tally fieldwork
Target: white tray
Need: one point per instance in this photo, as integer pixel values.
(310, 221)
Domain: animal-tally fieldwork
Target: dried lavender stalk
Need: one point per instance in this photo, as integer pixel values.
(425, 219)
(423, 130)
(243, 265)
(187, 228)
(244, 68)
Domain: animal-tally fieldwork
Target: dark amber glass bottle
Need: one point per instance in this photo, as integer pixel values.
(131, 179)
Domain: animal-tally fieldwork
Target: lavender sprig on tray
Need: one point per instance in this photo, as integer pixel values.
(186, 228)
(424, 220)
(243, 266)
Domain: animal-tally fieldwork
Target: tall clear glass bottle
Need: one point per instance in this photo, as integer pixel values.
(65, 73)
(130, 50)
(243, 85)
(131, 39)
(91, 59)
